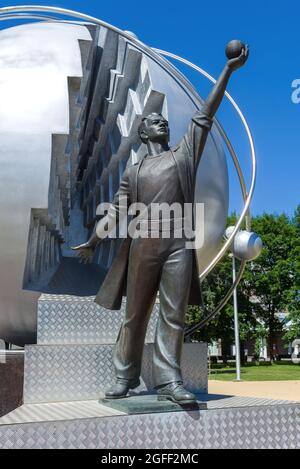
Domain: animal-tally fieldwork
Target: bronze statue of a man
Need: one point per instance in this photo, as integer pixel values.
(148, 265)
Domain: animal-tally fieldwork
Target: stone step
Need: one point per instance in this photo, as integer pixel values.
(65, 319)
(56, 373)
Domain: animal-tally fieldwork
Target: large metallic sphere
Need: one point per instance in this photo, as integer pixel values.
(71, 100)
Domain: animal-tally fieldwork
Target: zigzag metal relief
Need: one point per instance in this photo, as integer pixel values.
(75, 157)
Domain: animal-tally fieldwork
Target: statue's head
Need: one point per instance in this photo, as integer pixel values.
(155, 128)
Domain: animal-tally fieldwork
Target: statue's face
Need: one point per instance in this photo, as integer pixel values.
(156, 128)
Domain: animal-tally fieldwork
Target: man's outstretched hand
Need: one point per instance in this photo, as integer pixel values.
(85, 252)
(238, 62)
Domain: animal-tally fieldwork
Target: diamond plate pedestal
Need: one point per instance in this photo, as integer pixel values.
(228, 423)
(64, 381)
(66, 319)
(73, 358)
(81, 372)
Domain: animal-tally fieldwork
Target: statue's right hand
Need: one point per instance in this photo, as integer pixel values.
(238, 62)
(85, 252)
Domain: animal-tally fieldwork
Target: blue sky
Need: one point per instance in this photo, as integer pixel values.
(199, 31)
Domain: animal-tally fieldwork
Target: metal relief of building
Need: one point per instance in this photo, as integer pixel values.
(70, 112)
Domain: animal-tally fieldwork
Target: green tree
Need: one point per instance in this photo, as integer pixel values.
(272, 276)
(293, 296)
(214, 289)
(269, 286)
(293, 319)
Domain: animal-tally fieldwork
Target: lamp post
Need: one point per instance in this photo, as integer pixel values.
(246, 246)
(236, 325)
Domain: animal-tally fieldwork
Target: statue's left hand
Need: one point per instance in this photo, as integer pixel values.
(85, 252)
(236, 63)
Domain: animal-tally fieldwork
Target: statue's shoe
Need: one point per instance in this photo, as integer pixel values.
(120, 388)
(177, 393)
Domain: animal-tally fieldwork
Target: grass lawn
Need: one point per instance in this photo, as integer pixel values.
(280, 371)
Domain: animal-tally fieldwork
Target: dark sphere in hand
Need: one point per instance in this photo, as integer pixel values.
(234, 49)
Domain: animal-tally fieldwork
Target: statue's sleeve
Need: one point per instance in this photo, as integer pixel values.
(118, 209)
(194, 140)
(121, 199)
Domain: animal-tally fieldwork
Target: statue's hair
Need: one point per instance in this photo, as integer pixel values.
(141, 127)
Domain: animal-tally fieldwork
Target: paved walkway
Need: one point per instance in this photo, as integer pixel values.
(281, 390)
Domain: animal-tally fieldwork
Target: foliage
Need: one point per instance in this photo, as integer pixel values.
(270, 287)
(293, 296)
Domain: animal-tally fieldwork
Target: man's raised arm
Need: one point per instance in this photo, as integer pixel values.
(196, 136)
(214, 100)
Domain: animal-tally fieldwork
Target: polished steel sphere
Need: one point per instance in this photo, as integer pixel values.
(247, 245)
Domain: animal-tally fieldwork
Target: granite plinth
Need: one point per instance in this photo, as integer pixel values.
(149, 404)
